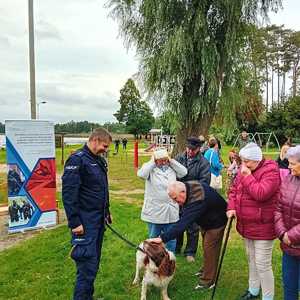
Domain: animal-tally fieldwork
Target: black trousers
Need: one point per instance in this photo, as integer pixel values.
(86, 254)
(192, 234)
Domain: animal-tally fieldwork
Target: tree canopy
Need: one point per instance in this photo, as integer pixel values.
(134, 113)
(188, 51)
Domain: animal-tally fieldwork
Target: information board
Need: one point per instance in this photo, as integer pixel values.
(31, 174)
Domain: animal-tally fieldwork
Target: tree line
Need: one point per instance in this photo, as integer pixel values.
(2, 128)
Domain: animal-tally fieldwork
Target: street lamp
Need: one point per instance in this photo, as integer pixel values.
(38, 108)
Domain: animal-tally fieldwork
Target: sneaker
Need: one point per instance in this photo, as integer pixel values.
(248, 296)
(202, 286)
(190, 259)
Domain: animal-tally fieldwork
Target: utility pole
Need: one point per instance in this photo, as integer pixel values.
(31, 60)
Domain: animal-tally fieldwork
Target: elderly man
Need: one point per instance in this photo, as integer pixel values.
(198, 169)
(203, 205)
(159, 211)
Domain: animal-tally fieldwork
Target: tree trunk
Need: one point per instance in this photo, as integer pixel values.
(272, 84)
(283, 87)
(294, 82)
(267, 86)
(278, 82)
(199, 127)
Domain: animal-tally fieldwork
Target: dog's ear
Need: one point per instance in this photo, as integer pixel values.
(146, 260)
(167, 266)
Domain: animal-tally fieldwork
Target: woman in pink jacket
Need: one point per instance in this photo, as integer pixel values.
(287, 226)
(252, 200)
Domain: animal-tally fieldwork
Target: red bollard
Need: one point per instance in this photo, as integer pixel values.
(136, 155)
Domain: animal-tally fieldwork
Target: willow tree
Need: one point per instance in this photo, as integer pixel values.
(186, 50)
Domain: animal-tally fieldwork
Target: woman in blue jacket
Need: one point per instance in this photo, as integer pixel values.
(212, 155)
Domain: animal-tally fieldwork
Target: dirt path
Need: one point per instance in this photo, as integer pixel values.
(10, 240)
(127, 192)
(2, 168)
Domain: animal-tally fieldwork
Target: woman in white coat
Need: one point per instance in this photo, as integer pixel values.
(159, 210)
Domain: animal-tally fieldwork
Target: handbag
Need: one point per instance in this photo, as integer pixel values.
(215, 181)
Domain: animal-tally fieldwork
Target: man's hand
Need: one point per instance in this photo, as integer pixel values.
(286, 239)
(78, 230)
(231, 213)
(245, 171)
(155, 240)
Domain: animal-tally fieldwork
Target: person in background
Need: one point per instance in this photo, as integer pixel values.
(212, 156)
(204, 145)
(159, 211)
(124, 143)
(287, 226)
(117, 144)
(253, 197)
(235, 163)
(243, 139)
(283, 162)
(198, 169)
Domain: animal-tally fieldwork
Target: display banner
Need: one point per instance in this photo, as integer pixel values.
(31, 175)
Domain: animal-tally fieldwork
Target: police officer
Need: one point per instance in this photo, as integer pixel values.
(86, 202)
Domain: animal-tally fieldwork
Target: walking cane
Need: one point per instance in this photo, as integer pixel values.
(222, 257)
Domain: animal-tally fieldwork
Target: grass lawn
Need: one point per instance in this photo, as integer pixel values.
(40, 269)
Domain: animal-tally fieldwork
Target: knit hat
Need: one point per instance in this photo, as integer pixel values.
(294, 152)
(252, 152)
(160, 153)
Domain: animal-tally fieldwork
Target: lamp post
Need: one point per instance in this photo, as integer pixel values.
(38, 108)
(31, 60)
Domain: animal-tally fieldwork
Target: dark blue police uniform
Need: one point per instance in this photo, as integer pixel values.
(86, 202)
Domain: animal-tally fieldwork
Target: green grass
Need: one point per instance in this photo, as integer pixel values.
(2, 156)
(40, 268)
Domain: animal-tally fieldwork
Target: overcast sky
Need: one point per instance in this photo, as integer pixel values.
(81, 63)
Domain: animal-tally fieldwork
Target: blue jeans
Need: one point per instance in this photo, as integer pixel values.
(291, 276)
(156, 229)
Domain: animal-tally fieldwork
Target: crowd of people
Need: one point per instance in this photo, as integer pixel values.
(184, 194)
(263, 196)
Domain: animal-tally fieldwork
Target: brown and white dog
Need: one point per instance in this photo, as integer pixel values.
(159, 266)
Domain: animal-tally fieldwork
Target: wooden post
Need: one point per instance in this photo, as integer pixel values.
(136, 155)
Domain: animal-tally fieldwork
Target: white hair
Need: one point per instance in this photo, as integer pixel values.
(294, 152)
(176, 187)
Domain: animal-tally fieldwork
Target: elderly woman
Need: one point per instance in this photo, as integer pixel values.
(159, 211)
(252, 199)
(287, 226)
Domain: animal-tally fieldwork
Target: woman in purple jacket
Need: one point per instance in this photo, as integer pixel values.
(252, 199)
(287, 226)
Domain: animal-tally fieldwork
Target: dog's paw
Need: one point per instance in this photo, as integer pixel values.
(136, 281)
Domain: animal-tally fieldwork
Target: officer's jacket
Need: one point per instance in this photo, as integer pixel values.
(85, 189)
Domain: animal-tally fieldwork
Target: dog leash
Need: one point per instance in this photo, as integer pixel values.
(125, 240)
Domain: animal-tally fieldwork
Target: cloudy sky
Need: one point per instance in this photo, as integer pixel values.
(81, 63)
